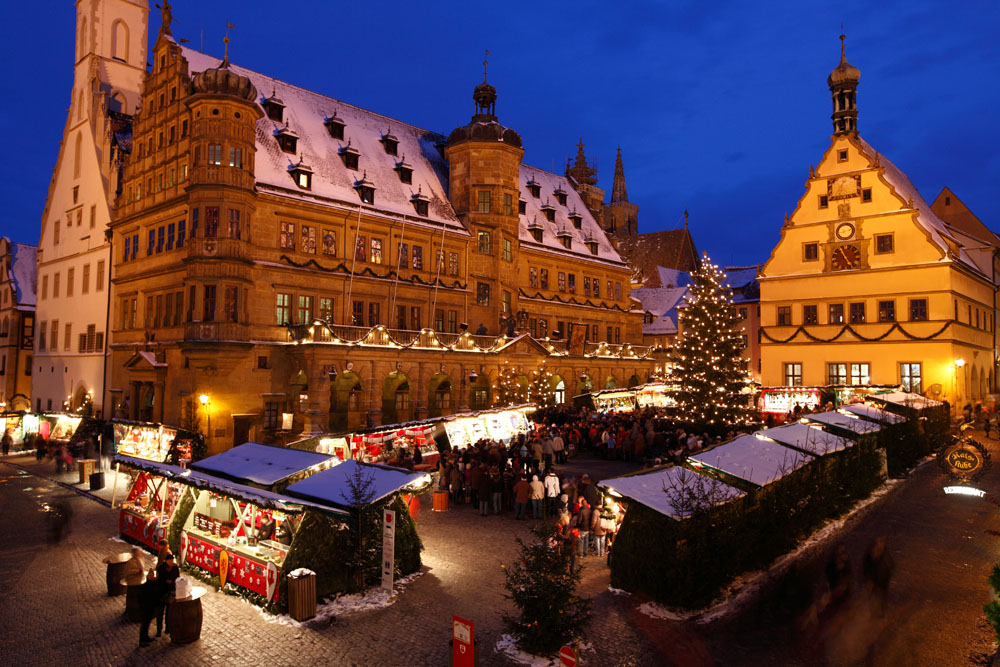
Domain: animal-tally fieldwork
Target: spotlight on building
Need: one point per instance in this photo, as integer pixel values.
(203, 399)
(473, 376)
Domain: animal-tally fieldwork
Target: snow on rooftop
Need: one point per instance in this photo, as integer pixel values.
(757, 461)
(673, 277)
(872, 413)
(853, 424)
(810, 438)
(651, 489)
(260, 464)
(332, 486)
(663, 303)
(24, 272)
(906, 399)
(533, 213)
(305, 112)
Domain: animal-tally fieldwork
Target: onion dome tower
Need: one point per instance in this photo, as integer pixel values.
(843, 83)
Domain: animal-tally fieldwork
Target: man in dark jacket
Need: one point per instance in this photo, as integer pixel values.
(589, 491)
(475, 475)
(166, 581)
(484, 490)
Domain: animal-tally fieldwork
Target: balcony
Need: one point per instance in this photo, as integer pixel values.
(216, 331)
(216, 248)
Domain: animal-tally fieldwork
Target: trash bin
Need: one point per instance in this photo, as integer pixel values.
(440, 501)
(97, 481)
(302, 594)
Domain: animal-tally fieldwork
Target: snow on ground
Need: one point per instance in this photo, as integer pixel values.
(617, 591)
(115, 538)
(507, 645)
(744, 587)
(375, 598)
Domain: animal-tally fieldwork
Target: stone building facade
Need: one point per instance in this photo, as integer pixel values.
(17, 323)
(279, 252)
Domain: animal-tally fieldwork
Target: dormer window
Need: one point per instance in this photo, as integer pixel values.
(591, 244)
(274, 108)
(535, 187)
(522, 206)
(565, 237)
(549, 210)
(420, 202)
(576, 219)
(535, 229)
(390, 143)
(350, 155)
(366, 189)
(287, 139)
(302, 174)
(405, 171)
(560, 196)
(335, 126)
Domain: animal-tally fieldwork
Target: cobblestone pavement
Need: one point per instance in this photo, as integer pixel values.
(56, 610)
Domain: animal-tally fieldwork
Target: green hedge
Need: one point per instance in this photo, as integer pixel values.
(922, 434)
(688, 563)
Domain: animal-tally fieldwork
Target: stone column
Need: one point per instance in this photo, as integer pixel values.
(463, 389)
(420, 396)
(159, 389)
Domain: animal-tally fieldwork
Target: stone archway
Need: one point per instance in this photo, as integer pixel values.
(480, 393)
(634, 381)
(346, 402)
(558, 386)
(439, 395)
(396, 398)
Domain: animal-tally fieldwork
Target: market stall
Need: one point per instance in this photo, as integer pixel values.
(849, 425)
(782, 400)
(809, 438)
(654, 395)
(21, 426)
(614, 400)
(264, 466)
(871, 413)
(750, 460)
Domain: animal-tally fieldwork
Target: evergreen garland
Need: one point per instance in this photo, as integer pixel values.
(709, 372)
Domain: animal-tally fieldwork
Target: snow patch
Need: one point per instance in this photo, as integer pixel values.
(115, 538)
(617, 591)
(507, 645)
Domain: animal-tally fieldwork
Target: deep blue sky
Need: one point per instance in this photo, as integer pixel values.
(718, 107)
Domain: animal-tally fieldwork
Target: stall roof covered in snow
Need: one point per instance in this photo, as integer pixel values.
(224, 487)
(534, 215)
(749, 458)
(23, 272)
(915, 401)
(333, 485)
(872, 413)
(260, 464)
(812, 439)
(840, 420)
(650, 489)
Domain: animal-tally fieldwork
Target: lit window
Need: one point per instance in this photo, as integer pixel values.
(793, 374)
(485, 240)
(910, 376)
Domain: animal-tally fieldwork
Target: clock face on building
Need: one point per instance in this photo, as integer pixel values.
(845, 231)
(846, 256)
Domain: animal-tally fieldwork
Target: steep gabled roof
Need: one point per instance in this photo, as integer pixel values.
(953, 211)
(672, 249)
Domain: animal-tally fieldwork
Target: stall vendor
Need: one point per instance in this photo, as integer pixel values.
(285, 531)
(266, 529)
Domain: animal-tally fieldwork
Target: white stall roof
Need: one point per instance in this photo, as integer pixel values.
(810, 438)
(915, 401)
(853, 424)
(260, 464)
(651, 489)
(333, 485)
(872, 413)
(757, 461)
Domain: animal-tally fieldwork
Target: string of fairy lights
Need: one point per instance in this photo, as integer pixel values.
(711, 376)
(510, 389)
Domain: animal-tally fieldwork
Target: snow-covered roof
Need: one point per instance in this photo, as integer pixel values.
(915, 401)
(673, 277)
(740, 276)
(810, 438)
(150, 358)
(333, 485)
(749, 458)
(651, 489)
(872, 413)
(260, 464)
(840, 420)
(926, 218)
(663, 303)
(305, 112)
(200, 480)
(533, 214)
(23, 272)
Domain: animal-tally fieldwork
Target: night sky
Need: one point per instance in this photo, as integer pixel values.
(719, 107)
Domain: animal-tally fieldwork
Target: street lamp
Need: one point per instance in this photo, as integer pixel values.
(203, 399)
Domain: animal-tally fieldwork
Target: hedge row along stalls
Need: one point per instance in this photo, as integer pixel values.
(926, 429)
(238, 534)
(689, 531)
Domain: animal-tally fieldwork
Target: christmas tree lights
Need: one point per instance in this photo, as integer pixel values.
(508, 390)
(542, 392)
(708, 370)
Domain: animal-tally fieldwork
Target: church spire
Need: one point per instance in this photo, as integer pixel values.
(618, 193)
(581, 172)
(843, 83)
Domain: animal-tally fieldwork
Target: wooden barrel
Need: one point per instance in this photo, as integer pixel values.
(114, 578)
(184, 620)
(133, 610)
(440, 501)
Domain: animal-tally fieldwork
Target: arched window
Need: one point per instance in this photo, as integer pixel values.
(82, 42)
(77, 146)
(560, 392)
(119, 41)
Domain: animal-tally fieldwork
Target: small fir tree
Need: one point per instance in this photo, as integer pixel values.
(542, 392)
(365, 519)
(709, 373)
(542, 585)
(508, 390)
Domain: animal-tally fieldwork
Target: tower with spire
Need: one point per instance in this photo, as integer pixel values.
(843, 83)
(621, 217)
(583, 176)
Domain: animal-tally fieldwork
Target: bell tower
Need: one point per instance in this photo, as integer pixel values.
(843, 83)
(621, 217)
(484, 159)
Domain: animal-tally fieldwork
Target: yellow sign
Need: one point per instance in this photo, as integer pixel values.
(223, 567)
(963, 460)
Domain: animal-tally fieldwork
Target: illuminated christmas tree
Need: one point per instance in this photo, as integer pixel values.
(541, 389)
(709, 373)
(508, 390)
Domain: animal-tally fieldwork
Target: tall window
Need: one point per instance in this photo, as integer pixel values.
(910, 376)
(400, 317)
(208, 311)
(857, 312)
(836, 313)
(918, 310)
(586, 285)
(55, 285)
(784, 316)
(452, 321)
(360, 251)
(508, 250)
(215, 154)
(329, 242)
(887, 311)
(508, 204)
(597, 288)
(415, 318)
(482, 294)
(326, 308)
(283, 309)
(485, 199)
(235, 157)
(793, 374)
(308, 239)
(561, 281)
(374, 314)
(860, 374)
(403, 252)
(532, 277)
(543, 278)
(506, 300)
(234, 223)
(837, 373)
(287, 240)
(439, 319)
(358, 313)
(453, 263)
(571, 283)
(99, 287)
(418, 258)
(70, 275)
(211, 221)
(171, 234)
(618, 291)
(305, 309)
(809, 314)
(232, 314)
(485, 245)
(376, 251)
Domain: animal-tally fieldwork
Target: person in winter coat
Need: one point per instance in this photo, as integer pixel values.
(522, 494)
(536, 456)
(582, 524)
(589, 491)
(558, 448)
(496, 487)
(597, 530)
(537, 496)
(548, 451)
(552, 491)
(485, 492)
(456, 480)
(475, 475)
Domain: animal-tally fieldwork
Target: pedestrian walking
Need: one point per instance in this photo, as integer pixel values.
(838, 576)
(878, 566)
(537, 496)
(522, 494)
(552, 490)
(6, 442)
(485, 491)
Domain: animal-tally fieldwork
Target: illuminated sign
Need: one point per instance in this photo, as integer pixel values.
(964, 491)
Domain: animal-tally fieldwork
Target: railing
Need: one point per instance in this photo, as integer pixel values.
(221, 248)
(217, 331)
